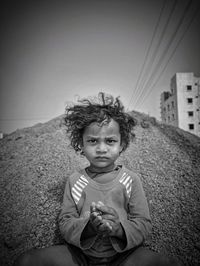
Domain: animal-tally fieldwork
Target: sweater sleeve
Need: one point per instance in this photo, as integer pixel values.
(70, 223)
(137, 224)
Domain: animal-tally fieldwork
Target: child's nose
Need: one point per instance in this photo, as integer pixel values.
(102, 147)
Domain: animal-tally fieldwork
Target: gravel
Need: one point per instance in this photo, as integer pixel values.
(35, 163)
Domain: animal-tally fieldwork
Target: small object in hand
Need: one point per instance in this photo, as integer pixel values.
(95, 207)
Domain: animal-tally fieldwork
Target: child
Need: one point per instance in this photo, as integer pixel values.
(105, 217)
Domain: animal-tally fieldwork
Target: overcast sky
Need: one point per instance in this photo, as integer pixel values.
(52, 51)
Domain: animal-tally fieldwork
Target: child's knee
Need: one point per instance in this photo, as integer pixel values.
(175, 262)
(167, 261)
(23, 260)
(145, 257)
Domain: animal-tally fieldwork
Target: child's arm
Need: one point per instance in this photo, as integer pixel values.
(137, 225)
(132, 230)
(110, 219)
(95, 225)
(70, 223)
(91, 229)
(112, 225)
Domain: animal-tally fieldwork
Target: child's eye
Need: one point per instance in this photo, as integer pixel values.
(111, 141)
(93, 141)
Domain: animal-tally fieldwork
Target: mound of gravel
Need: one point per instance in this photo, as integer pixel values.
(36, 162)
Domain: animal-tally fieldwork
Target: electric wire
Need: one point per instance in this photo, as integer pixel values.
(159, 63)
(163, 56)
(153, 56)
(148, 51)
(172, 54)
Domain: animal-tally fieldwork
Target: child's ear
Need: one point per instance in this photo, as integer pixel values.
(121, 147)
(81, 148)
(82, 153)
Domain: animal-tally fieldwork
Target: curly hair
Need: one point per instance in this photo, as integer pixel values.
(100, 109)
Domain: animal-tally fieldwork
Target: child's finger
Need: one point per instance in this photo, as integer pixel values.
(95, 218)
(105, 209)
(109, 217)
(93, 207)
(93, 215)
(109, 226)
(105, 227)
(100, 203)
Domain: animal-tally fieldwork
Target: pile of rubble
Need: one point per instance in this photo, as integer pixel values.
(36, 162)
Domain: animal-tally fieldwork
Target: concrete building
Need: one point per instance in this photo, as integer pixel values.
(181, 106)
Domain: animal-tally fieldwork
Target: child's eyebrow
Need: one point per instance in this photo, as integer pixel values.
(91, 137)
(111, 137)
(107, 137)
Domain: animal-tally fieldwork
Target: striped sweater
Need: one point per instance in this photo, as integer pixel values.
(124, 193)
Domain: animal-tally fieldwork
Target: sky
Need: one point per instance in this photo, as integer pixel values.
(52, 52)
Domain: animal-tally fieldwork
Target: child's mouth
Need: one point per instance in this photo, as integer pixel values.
(101, 158)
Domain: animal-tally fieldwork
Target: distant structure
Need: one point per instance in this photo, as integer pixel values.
(181, 106)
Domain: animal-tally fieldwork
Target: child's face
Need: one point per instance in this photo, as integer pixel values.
(102, 144)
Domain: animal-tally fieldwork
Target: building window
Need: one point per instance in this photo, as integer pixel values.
(189, 87)
(168, 118)
(173, 117)
(191, 126)
(168, 107)
(190, 113)
(172, 105)
(164, 109)
(189, 100)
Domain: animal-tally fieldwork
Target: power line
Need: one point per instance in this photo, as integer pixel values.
(150, 80)
(164, 54)
(153, 56)
(178, 43)
(148, 51)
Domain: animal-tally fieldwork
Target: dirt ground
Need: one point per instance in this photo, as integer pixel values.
(36, 162)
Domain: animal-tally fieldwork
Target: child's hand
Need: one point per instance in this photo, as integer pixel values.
(101, 226)
(93, 207)
(110, 220)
